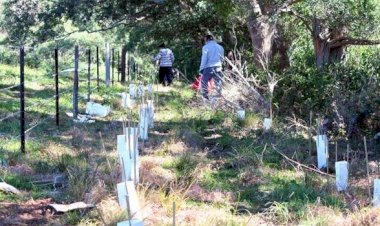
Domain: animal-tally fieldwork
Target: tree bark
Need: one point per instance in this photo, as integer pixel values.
(325, 50)
(262, 36)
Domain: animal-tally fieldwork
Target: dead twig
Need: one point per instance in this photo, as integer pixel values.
(300, 164)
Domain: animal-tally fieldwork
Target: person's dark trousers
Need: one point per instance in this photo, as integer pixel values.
(208, 74)
(165, 72)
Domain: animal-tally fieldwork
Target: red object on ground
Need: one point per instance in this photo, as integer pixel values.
(197, 84)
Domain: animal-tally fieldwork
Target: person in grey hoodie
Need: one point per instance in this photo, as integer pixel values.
(165, 58)
(211, 64)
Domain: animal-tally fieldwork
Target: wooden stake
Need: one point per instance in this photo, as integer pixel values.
(336, 151)
(348, 152)
(174, 213)
(367, 164)
(310, 138)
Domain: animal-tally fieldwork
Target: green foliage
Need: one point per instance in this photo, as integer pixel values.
(185, 164)
(359, 17)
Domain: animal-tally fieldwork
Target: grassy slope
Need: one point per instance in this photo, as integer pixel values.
(217, 170)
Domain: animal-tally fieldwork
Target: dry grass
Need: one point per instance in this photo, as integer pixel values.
(153, 175)
(110, 211)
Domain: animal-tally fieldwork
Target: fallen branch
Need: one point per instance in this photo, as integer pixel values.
(301, 165)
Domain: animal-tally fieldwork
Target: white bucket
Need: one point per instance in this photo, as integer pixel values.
(376, 193)
(131, 223)
(123, 189)
(95, 109)
(341, 171)
(240, 114)
(143, 123)
(322, 150)
(267, 124)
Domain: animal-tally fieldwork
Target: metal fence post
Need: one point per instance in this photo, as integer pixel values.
(56, 87)
(22, 99)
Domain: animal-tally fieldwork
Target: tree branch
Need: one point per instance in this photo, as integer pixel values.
(285, 6)
(114, 25)
(303, 19)
(256, 7)
(300, 164)
(353, 41)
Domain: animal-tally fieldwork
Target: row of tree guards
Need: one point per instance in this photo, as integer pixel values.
(342, 167)
(127, 69)
(128, 148)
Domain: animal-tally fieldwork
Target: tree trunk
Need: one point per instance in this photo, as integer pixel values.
(323, 50)
(262, 36)
(280, 50)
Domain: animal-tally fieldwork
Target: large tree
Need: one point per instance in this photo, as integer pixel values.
(336, 24)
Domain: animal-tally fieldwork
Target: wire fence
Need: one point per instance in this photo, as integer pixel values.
(45, 82)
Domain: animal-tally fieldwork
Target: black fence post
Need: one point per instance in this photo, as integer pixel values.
(76, 82)
(113, 65)
(97, 67)
(22, 100)
(123, 65)
(89, 76)
(56, 87)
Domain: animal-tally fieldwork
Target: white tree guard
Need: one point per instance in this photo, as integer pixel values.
(131, 223)
(95, 109)
(149, 89)
(376, 193)
(129, 158)
(143, 123)
(133, 133)
(132, 90)
(240, 114)
(127, 101)
(322, 150)
(141, 90)
(341, 171)
(267, 124)
(123, 99)
(150, 113)
(128, 188)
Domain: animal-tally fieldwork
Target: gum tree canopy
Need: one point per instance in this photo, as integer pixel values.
(336, 24)
(333, 24)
